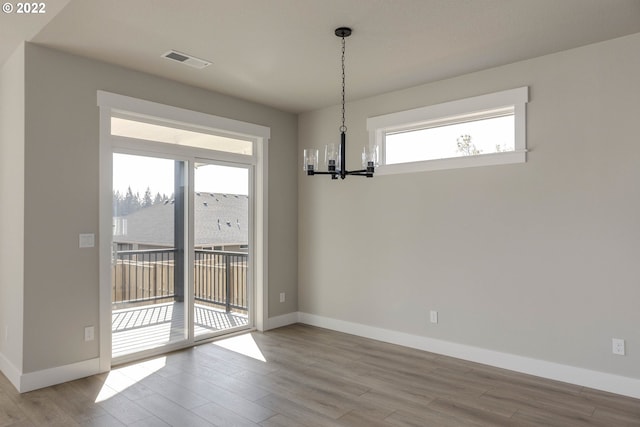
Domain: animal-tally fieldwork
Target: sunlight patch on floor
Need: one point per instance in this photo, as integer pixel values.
(121, 379)
(243, 344)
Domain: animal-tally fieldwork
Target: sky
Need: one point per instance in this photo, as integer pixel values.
(440, 142)
(140, 172)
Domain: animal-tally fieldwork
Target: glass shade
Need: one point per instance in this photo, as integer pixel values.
(370, 158)
(310, 159)
(332, 157)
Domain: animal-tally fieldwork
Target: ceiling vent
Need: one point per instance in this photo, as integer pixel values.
(189, 60)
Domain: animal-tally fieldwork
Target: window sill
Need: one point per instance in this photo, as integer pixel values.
(454, 163)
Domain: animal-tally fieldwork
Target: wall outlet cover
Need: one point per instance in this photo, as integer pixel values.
(89, 333)
(87, 240)
(433, 316)
(618, 346)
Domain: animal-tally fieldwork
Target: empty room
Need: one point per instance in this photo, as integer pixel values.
(319, 213)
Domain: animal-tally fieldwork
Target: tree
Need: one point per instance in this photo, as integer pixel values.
(131, 202)
(116, 203)
(158, 199)
(466, 147)
(147, 200)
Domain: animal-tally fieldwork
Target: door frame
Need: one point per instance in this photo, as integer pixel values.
(111, 103)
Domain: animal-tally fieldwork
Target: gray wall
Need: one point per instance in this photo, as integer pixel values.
(61, 194)
(11, 207)
(536, 259)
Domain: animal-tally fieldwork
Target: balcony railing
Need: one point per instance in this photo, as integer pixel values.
(141, 276)
(221, 278)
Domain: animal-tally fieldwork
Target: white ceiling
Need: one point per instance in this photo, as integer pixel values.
(283, 53)
(16, 28)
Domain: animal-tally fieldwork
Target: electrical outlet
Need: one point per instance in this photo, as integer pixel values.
(87, 240)
(618, 346)
(433, 316)
(89, 333)
(282, 297)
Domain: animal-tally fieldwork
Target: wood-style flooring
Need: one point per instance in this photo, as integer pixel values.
(306, 376)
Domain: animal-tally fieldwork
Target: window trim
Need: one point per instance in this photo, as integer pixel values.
(415, 118)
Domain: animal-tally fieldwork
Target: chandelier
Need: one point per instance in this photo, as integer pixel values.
(335, 154)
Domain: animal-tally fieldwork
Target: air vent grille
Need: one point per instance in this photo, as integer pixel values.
(186, 59)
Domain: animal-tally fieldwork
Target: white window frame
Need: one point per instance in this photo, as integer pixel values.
(446, 112)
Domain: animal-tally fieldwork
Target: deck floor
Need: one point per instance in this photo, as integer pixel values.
(151, 326)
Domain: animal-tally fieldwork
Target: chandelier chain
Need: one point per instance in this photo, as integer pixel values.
(343, 128)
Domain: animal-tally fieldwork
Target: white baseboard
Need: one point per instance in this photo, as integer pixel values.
(283, 320)
(570, 374)
(583, 377)
(57, 375)
(10, 371)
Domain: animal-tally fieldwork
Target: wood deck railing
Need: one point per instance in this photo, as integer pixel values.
(142, 276)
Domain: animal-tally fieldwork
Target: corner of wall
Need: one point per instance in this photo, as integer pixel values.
(12, 170)
(283, 320)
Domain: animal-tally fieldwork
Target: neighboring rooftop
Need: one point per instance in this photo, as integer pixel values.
(220, 219)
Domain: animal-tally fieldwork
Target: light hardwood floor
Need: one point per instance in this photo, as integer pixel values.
(306, 376)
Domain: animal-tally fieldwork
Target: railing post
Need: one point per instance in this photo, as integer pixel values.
(227, 275)
(123, 283)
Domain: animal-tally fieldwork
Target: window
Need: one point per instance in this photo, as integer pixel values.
(479, 131)
(174, 134)
(119, 226)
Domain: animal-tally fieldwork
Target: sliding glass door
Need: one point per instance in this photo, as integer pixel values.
(148, 253)
(182, 215)
(181, 269)
(222, 225)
